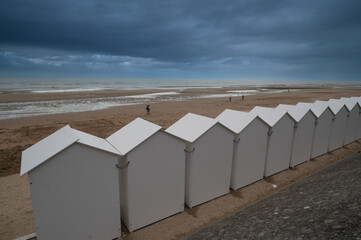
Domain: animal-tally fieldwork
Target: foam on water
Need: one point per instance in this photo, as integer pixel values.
(243, 91)
(153, 95)
(69, 90)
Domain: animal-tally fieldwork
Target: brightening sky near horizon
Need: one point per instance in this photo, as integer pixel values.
(255, 39)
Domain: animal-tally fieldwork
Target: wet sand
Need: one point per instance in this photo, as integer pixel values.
(18, 134)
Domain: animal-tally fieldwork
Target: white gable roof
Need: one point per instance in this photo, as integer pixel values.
(297, 112)
(95, 142)
(234, 120)
(317, 107)
(335, 105)
(358, 100)
(55, 143)
(132, 134)
(191, 127)
(350, 103)
(269, 115)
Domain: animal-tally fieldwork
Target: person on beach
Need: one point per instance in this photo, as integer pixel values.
(148, 109)
(242, 97)
(230, 98)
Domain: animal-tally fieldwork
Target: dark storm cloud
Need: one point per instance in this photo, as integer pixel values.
(286, 38)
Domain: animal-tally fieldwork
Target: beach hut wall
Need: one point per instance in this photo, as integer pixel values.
(279, 140)
(209, 148)
(323, 124)
(74, 186)
(352, 119)
(304, 126)
(152, 178)
(358, 131)
(340, 112)
(249, 146)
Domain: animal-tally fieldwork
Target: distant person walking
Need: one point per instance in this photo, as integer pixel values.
(148, 109)
(230, 98)
(242, 97)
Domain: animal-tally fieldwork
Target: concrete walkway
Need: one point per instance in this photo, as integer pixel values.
(326, 205)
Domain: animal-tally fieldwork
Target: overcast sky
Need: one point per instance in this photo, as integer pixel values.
(255, 39)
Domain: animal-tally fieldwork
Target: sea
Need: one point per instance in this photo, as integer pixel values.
(169, 90)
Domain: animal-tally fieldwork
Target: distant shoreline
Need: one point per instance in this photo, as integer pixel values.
(42, 85)
(26, 104)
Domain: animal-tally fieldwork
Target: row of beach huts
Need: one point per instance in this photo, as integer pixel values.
(82, 186)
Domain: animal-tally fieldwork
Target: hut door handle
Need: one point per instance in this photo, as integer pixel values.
(269, 133)
(239, 139)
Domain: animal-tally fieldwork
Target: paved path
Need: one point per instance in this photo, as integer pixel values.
(326, 205)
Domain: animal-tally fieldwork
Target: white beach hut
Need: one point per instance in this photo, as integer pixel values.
(280, 138)
(209, 147)
(323, 124)
(358, 131)
(304, 126)
(352, 119)
(340, 112)
(249, 146)
(74, 186)
(152, 176)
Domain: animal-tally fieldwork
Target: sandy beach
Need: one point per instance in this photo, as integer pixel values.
(19, 133)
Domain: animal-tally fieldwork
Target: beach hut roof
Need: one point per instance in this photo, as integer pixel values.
(58, 141)
(297, 112)
(317, 107)
(234, 120)
(191, 127)
(132, 134)
(269, 115)
(349, 103)
(335, 105)
(358, 100)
